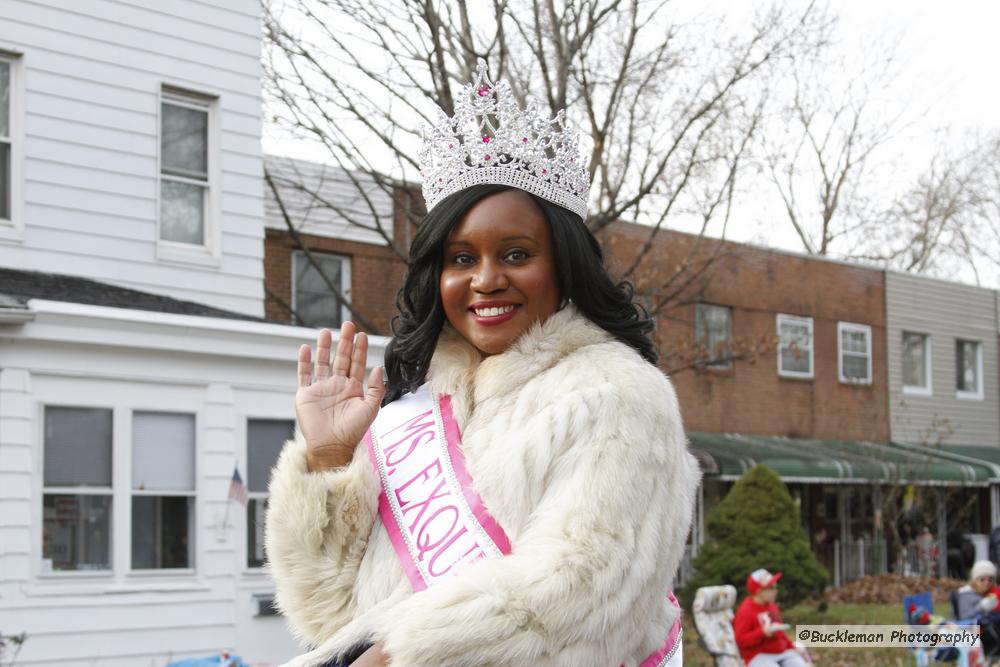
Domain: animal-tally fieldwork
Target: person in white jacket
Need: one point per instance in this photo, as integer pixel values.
(571, 435)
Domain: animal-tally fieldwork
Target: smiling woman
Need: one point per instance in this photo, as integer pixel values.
(520, 491)
(547, 234)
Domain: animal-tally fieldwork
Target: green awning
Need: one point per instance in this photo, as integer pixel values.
(981, 452)
(840, 461)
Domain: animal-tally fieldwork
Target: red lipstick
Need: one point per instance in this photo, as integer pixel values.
(493, 320)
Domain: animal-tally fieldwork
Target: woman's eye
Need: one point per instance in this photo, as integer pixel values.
(467, 259)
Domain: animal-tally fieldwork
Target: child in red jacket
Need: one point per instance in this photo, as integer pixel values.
(760, 634)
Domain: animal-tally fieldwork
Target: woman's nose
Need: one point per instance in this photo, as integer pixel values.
(489, 277)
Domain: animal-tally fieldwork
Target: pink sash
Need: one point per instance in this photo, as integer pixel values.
(436, 521)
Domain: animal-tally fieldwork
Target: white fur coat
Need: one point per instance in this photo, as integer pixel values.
(576, 447)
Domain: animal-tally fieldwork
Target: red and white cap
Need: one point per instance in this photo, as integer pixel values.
(760, 579)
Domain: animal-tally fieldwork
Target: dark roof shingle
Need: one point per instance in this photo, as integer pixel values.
(19, 286)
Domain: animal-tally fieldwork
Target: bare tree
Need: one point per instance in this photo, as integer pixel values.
(668, 106)
(949, 219)
(828, 141)
(835, 156)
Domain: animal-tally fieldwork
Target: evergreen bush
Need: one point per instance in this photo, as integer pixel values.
(757, 525)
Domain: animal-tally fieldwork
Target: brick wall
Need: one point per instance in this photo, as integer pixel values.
(758, 284)
(376, 275)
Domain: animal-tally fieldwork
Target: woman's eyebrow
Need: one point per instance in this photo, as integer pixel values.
(518, 237)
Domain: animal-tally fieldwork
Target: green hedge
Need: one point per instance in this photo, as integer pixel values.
(757, 525)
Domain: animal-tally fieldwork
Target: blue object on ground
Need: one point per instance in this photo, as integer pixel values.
(918, 608)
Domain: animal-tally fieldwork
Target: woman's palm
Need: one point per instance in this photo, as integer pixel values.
(333, 406)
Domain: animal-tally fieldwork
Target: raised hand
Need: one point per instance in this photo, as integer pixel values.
(335, 409)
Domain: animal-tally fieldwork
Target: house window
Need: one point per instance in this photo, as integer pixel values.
(163, 490)
(6, 182)
(855, 363)
(714, 335)
(76, 498)
(969, 369)
(795, 347)
(185, 183)
(916, 363)
(315, 304)
(265, 438)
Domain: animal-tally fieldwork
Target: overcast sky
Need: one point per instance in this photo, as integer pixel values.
(952, 47)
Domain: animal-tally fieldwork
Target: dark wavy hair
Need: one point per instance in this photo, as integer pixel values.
(580, 268)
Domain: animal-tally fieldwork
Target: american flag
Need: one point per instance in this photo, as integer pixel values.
(238, 490)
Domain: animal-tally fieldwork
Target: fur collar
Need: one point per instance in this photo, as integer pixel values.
(459, 369)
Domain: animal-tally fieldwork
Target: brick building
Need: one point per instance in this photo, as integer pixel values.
(375, 274)
(348, 234)
(756, 287)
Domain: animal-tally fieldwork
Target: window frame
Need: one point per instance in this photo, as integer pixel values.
(12, 228)
(797, 319)
(715, 365)
(979, 394)
(210, 251)
(120, 577)
(345, 278)
(251, 494)
(164, 493)
(917, 390)
(853, 327)
(42, 568)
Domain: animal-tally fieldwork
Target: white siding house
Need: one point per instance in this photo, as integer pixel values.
(135, 371)
(943, 366)
(136, 145)
(162, 406)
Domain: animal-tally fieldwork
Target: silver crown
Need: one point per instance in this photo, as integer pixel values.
(491, 140)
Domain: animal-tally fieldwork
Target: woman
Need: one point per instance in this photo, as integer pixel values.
(977, 598)
(977, 602)
(564, 438)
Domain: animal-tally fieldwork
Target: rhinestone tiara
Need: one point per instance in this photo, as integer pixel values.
(491, 140)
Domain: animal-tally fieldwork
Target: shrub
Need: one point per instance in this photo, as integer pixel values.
(757, 525)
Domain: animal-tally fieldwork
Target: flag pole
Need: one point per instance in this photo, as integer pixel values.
(225, 519)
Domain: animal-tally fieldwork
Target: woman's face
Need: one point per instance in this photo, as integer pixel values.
(498, 275)
(982, 585)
